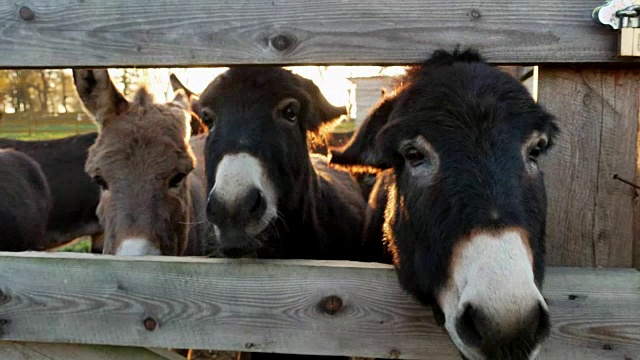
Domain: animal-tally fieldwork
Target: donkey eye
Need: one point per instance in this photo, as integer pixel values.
(535, 151)
(176, 180)
(413, 156)
(208, 117)
(290, 112)
(100, 181)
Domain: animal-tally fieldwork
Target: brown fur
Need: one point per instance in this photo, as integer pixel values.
(141, 147)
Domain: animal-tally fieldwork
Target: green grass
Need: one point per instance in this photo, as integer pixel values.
(43, 126)
(345, 126)
(83, 245)
(45, 131)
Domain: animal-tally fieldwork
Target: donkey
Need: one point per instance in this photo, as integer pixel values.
(268, 197)
(25, 202)
(75, 195)
(463, 204)
(149, 202)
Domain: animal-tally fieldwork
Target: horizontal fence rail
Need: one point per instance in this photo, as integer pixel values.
(61, 33)
(11, 350)
(307, 307)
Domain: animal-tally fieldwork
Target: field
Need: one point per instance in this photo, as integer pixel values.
(44, 126)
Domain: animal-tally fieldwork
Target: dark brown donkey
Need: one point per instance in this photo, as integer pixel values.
(25, 202)
(268, 197)
(75, 195)
(461, 201)
(149, 202)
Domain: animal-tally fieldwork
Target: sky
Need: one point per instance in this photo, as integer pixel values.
(332, 80)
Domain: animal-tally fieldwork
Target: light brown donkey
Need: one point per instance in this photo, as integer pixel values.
(150, 203)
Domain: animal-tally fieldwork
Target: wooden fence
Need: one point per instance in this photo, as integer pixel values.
(81, 306)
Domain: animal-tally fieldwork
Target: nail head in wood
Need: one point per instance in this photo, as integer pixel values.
(26, 13)
(475, 14)
(150, 324)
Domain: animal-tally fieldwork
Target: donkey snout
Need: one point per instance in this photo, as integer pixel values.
(249, 207)
(253, 205)
(512, 336)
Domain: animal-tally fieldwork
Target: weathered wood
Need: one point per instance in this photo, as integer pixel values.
(571, 167)
(275, 306)
(202, 32)
(10, 350)
(636, 209)
(619, 91)
(590, 217)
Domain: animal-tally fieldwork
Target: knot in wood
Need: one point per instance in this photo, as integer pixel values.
(332, 304)
(281, 42)
(394, 354)
(150, 324)
(26, 13)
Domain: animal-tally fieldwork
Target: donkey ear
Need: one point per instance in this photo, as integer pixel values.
(181, 99)
(98, 94)
(176, 85)
(324, 111)
(191, 97)
(361, 149)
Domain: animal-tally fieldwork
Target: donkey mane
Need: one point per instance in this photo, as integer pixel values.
(143, 97)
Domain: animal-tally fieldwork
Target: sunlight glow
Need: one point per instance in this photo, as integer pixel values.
(333, 81)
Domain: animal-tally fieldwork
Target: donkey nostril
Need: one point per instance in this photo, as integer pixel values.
(257, 204)
(467, 327)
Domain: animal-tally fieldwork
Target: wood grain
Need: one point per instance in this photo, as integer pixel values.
(274, 306)
(590, 217)
(619, 92)
(203, 32)
(10, 350)
(571, 167)
(636, 208)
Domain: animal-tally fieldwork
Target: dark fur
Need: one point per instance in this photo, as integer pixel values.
(476, 118)
(75, 195)
(322, 212)
(25, 203)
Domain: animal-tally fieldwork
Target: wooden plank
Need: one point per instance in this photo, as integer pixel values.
(590, 218)
(593, 304)
(619, 92)
(10, 350)
(636, 209)
(241, 305)
(64, 33)
(570, 169)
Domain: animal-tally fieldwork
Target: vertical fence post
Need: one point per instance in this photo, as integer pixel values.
(591, 215)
